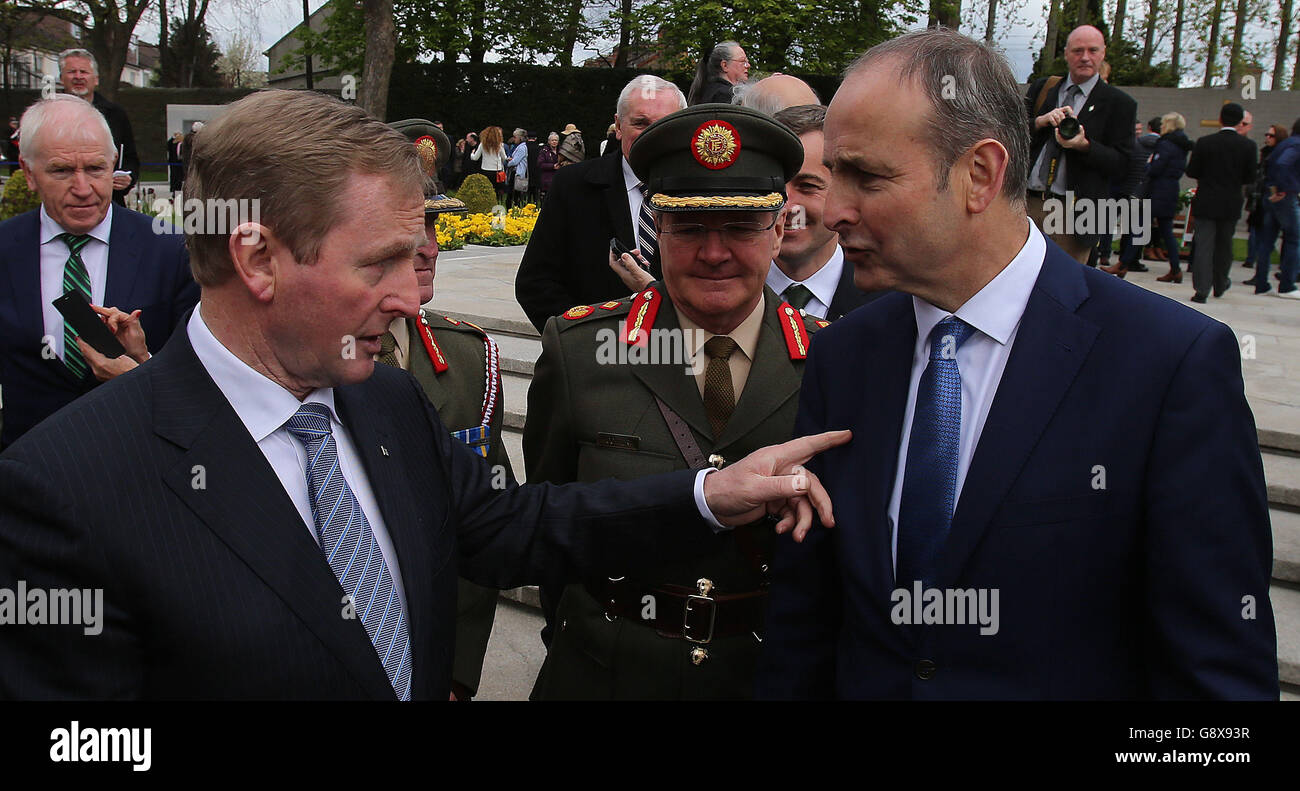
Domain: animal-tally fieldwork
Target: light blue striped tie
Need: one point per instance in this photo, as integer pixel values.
(350, 546)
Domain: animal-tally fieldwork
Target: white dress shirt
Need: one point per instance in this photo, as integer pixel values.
(264, 406)
(54, 257)
(995, 313)
(634, 201)
(822, 284)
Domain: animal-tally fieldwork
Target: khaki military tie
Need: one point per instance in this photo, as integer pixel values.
(388, 349)
(719, 395)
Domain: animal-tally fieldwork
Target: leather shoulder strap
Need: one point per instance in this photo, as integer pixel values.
(1048, 86)
(682, 435)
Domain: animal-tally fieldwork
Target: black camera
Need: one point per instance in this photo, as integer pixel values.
(1069, 127)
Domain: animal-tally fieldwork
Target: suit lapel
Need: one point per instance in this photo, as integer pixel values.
(620, 215)
(772, 374)
(374, 438)
(25, 274)
(123, 261)
(847, 297)
(1050, 347)
(884, 370)
(243, 503)
(670, 382)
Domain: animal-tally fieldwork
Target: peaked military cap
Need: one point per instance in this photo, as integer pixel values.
(716, 157)
(434, 148)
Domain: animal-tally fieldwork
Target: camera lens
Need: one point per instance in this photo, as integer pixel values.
(1069, 127)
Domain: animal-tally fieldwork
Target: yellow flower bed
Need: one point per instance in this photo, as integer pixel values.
(497, 230)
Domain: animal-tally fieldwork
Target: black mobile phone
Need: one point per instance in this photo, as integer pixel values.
(617, 247)
(77, 313)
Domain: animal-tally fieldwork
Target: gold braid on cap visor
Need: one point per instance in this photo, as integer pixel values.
(444, 203)
(772, 200)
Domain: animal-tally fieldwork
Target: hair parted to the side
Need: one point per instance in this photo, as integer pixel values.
(67, 117)
(294, 152)
(803, 118)
(972, 93)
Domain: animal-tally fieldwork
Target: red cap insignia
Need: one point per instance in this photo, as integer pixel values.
(715, 145)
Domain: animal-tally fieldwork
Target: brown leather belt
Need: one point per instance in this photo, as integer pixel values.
(695, 615)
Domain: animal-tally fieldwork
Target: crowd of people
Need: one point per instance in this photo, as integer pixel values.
(520, 167)
(291, 482)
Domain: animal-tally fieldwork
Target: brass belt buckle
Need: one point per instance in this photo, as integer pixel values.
(700, 603)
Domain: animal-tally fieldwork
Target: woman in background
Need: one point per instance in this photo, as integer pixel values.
(547, 161)
(490, 153)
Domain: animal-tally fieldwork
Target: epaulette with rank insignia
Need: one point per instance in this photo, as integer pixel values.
(797, 328)
(581, 314)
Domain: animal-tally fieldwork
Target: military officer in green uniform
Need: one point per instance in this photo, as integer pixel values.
(457, 365)
(700, 368)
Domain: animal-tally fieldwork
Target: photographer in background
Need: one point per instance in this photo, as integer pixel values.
(1081, 132)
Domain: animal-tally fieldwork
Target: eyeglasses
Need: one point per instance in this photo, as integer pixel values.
(1269, 134)
(740, 232)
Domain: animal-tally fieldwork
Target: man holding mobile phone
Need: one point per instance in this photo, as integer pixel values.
(77, 241)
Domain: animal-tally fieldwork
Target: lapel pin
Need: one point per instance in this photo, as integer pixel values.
(383, 450)
(1090, 107)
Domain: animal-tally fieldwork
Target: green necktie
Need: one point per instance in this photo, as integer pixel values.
(798, 295)
(719, 395)
(387, 347)
(75, 278)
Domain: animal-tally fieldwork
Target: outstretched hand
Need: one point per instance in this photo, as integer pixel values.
(773, 480)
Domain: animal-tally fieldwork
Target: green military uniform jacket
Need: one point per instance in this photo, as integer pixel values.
(459, 394)
(588, 420)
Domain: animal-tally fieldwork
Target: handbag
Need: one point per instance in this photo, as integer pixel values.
(521, 183)
(500, 177)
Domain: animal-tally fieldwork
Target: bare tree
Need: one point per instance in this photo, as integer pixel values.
(990, 22)
(1175, 66)
(1284, 32)
(377, 69)
(1235, 65)
(1153, 12)
(113, 23)
(1053, 30)
(1216, 18)
(1117, 28)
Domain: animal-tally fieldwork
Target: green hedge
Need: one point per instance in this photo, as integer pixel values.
(17, 197)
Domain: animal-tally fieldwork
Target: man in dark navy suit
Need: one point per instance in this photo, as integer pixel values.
(260, 510)
(77, 239)
(998, 534)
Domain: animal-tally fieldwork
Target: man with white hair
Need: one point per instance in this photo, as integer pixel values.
(78, 241)
(79, 74)
(567, 260)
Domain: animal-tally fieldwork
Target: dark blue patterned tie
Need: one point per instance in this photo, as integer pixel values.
(930, 475)
(350, 546)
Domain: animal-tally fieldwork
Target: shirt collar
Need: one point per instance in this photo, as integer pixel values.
(745, 334)
(995, 310)
(1086, 86)
(629, 178)
(50, 229)
(263, 405)
(821, 283)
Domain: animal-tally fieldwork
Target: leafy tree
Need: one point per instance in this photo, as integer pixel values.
(109, 35)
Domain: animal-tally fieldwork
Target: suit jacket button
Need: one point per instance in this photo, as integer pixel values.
(925, 669)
